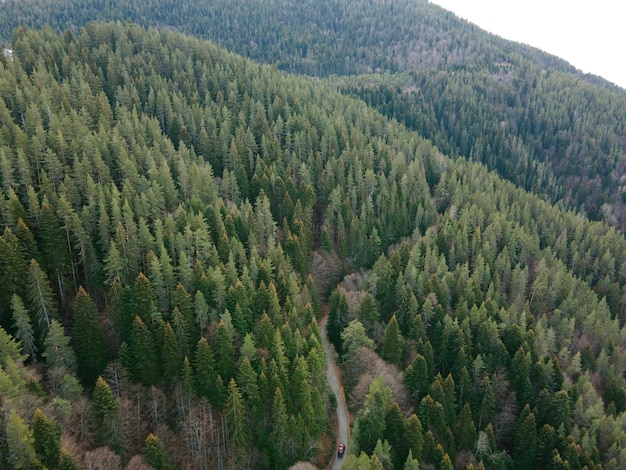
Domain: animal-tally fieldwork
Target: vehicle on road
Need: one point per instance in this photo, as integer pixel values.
(341, 450)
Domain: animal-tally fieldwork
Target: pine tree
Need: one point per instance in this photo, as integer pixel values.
(143, 355)
(414, 436)
(20, 442)
(394, 434)
(23, 328)
(40, 297)
(104, 402)
(525, 439)
(201, 311)
(13, 272)
(144, 300)
(170, 352)
(66, 462)
(465, 430)
(411, 463)
(337, 318)
(224, 352)
(279, 431)
(204, 368)
(47, 436)
(154, 453)
(393, 343)
(239, 436)
(181, 300)
(57, 350)
(89, 340)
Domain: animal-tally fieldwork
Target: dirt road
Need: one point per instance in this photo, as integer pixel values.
(332, 375)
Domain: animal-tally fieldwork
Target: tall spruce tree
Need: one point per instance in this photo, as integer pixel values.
(89, 340)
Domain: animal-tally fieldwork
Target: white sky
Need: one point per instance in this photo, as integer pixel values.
(589, 34)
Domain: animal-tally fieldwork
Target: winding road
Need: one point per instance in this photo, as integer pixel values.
(332, 375)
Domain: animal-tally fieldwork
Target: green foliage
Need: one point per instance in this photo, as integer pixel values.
(393, 343)
(20, 442)
(47, 437)
(145, 151)
(57, 351)
(23, 328)
(89, 341)
(154, 453)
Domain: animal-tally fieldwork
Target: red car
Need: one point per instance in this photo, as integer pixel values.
(341, 450)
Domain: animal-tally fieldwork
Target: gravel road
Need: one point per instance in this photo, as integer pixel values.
(332, 375)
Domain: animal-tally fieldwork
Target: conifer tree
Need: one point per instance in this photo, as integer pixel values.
(41, 299)
(23, 328)
(170, 352)
(224, 352)
(394, 434)
(413, 436)
(89, 341)
(337, 318)
(20, 442)
(144, 300)
(143, 355)
(411, 463)
(66, 462)
(154, 453)
(525, 439)
(279, 431)
(104, 402)
(57, 350)
(235, 413)
(465, 430)
(13, 272)
(204, 368)
(393, 343)
(47, 439)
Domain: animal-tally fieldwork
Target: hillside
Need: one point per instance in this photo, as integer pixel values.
(525, 114)
(170, 212)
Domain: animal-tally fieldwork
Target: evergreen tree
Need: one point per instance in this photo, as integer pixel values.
(23, 328)
(525, 439)
(20, 442)
(57, 350)
(66, 462)
(394, 434)
(40, 297)
(413, 436)
(89, 341)
(393, 343)
(337, 318)
(170, 352)
(154, 453)
(279, 431)
(47, 440)
(204, 368)
(144, 301)
(465, 430)
(143, 357)
(224, 352)
(239, 436)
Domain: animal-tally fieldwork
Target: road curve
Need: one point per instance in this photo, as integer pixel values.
(332, 376)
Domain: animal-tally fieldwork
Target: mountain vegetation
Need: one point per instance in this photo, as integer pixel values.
(528, 115)
(176, 219)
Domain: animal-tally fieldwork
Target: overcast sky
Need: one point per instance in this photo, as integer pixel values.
(589, 34)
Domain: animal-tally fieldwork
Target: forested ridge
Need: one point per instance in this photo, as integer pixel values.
(173, 216)
(526, 114)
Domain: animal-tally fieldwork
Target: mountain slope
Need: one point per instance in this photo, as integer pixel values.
(191, 193)
(559, 134)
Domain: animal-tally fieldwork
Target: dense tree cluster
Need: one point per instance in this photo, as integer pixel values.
(526, 114)
(170, 212)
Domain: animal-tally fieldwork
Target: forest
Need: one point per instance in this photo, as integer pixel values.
(529, 116)
(176, 219)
